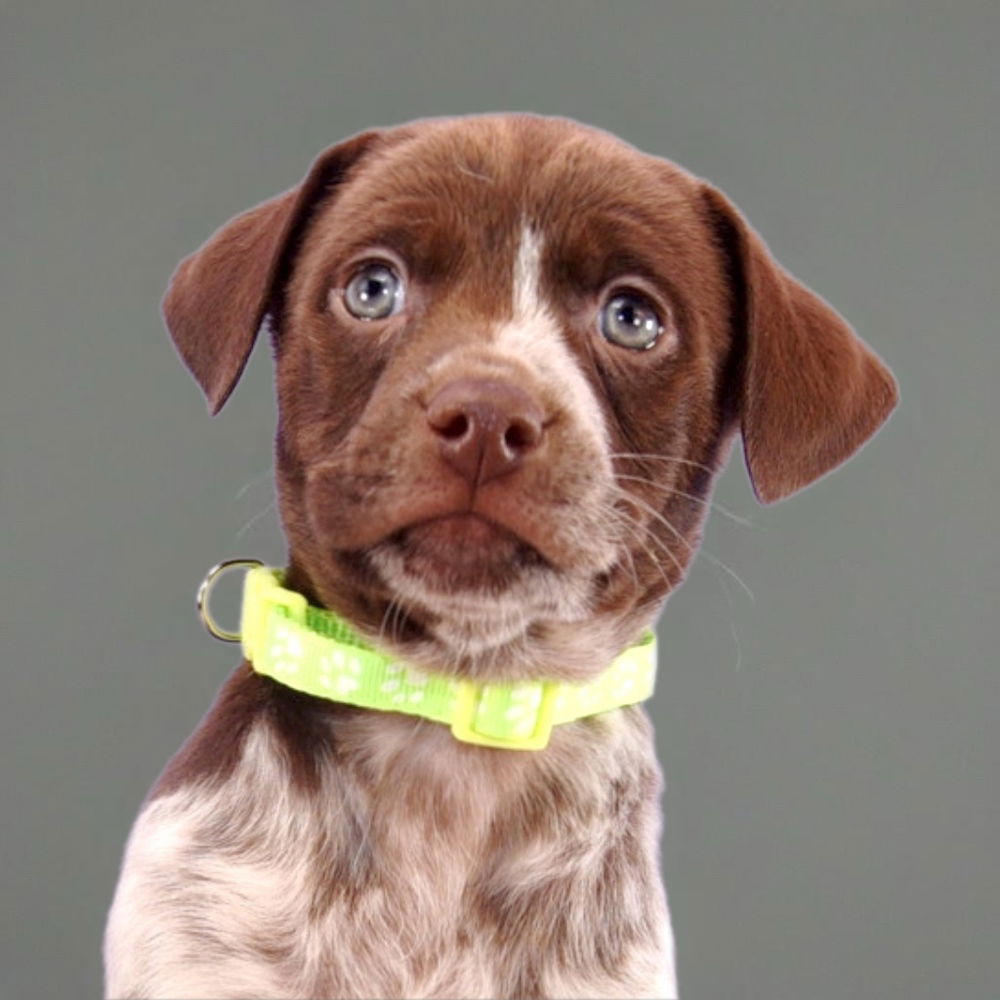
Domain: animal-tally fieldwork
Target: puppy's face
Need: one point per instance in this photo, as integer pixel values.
(497, 387)
(511, 355)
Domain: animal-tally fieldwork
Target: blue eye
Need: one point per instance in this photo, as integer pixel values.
(375, 292)
(631, 320)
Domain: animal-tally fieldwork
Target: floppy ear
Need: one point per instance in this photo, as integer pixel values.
(220, 294)
(812, 392)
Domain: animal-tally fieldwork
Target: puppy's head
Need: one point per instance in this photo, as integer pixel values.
(512, 353)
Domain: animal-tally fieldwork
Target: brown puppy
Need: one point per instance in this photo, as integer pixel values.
(512, 354)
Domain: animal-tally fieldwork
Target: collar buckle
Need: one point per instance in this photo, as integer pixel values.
(467, 701)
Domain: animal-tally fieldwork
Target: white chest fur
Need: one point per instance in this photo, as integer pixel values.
(437, 885)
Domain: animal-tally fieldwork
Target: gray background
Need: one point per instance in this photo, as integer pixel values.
(830, 745)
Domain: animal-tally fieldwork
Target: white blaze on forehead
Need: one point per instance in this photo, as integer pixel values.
(527, 274)
(534, 337)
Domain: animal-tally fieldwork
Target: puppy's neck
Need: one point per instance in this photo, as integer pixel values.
(575, 651)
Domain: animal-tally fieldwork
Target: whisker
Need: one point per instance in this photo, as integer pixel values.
(616, 516)
(715, 505)
(392, 619)
(689, 496)
(732, 625)
(640, 532)
(397, 620)
(629, 498)
(631, 567)
(732, 573)
(385, 619)
(241, 492)
(708, 555)
(253, 520)
(639, 538)
(649, 457)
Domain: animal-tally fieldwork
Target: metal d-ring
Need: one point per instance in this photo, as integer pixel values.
(205, 590)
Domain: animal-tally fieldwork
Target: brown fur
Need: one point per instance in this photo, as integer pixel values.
(538, 872)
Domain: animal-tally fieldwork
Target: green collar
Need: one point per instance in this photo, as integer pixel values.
(314, 651)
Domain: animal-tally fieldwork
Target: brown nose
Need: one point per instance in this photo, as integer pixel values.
(484, 427)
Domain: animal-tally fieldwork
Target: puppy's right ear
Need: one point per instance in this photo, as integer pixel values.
(219, 295)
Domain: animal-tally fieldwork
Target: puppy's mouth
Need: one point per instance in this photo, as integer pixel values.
(470, 585)
(463, 552)
(452, 573)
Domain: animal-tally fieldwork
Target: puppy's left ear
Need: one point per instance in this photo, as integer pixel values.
(812, 392)
(219, 295)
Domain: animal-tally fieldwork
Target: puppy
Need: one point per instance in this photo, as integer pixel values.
(512, 354)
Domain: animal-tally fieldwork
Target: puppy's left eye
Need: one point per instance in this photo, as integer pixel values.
(375, 292)
(631, 320)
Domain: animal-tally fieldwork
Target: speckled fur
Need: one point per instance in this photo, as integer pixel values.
(414, 867)
(300, 848)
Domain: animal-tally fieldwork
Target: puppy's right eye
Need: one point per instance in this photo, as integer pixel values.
(375, 292)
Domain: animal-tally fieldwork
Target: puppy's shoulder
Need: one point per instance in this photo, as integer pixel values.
(298, 729)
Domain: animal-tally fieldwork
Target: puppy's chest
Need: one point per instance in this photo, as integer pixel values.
(417, 875)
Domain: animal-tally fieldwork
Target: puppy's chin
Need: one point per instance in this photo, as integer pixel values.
(461, 593)
(512, 617)
(479, 592)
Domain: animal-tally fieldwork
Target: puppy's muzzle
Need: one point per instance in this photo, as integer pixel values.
(485, 428)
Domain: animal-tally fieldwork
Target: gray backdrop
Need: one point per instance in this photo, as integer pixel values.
(829, 744)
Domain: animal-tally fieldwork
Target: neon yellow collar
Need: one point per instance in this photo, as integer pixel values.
(312, 650)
